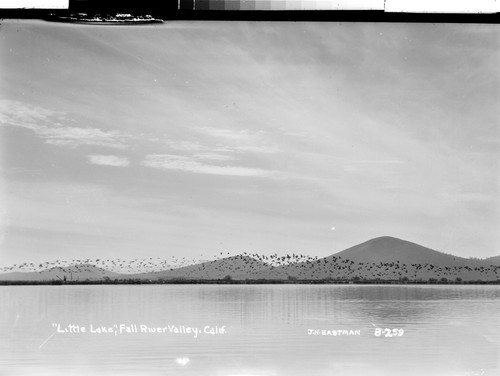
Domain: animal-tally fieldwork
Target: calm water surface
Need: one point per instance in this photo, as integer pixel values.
(448, 330)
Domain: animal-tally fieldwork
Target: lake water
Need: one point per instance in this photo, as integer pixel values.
(250, 330)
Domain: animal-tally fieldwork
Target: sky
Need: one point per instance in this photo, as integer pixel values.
(194, 138)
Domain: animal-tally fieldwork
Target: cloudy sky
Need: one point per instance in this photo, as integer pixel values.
(193, 138)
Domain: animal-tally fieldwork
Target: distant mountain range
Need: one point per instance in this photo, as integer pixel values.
(383, 258)
(72, 272)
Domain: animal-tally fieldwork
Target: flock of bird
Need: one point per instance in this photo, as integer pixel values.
(151, 264)
(302, 267)
(256, 266)
(117, 265)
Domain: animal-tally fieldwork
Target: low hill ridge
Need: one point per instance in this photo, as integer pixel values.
(79, 272)
(383, 258)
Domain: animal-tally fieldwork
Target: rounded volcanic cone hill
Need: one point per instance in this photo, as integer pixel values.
(495, 260)
(388, 249)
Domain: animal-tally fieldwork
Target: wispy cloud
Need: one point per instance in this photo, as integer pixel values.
(265, 149)
(76, 136)
(232, 134)
(49, 126)
(225, 145)
(214, 151)
(109, 160)
(372, 165)
(196, 164)
(186, 145)
(15, 113)
(213, 157)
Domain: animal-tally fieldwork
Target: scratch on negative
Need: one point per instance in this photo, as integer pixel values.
(47, 340)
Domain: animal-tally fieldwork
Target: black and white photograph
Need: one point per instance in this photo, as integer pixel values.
(249, 188)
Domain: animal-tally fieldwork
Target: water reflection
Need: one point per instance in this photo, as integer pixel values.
(448, 330)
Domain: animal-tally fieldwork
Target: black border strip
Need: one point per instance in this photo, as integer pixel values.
(290, 16)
